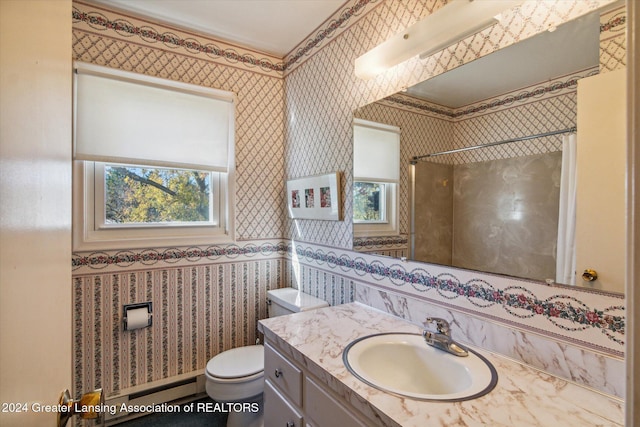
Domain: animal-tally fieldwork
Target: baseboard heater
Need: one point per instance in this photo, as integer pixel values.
(174, 389)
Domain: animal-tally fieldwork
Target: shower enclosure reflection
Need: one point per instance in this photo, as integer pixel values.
(498, 216)
(498, 209)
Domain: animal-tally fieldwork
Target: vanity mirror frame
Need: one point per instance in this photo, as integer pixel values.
(397, 245)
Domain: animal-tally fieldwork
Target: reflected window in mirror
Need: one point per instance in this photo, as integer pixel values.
(376, 165)
(369, 202)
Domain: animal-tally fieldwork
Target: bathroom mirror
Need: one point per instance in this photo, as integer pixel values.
(518, 92)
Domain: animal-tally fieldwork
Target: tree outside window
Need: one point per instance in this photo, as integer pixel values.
(368, 202)
(145, 195)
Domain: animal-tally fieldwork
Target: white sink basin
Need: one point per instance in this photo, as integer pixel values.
(403, 364)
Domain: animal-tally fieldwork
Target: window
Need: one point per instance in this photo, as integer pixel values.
(376, 169)
(369, 202)
(149, 196)
(153, 161)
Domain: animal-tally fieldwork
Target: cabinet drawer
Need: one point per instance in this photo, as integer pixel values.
(322, 409)
(277, 411)
(283, 374)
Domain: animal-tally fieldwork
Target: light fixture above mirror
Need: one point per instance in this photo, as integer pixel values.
(455, 21)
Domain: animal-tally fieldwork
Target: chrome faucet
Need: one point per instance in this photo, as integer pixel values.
(441, 339)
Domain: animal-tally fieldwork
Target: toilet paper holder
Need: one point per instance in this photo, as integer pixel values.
(130, 307)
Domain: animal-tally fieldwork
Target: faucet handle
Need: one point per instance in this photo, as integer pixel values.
(442, 325)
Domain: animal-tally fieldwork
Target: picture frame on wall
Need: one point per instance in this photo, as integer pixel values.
(315, 197)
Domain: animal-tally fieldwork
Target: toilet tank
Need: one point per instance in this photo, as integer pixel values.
(288, 300)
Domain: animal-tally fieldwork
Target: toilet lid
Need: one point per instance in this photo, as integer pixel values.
(237, 362)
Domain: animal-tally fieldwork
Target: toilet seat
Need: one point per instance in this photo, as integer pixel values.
(237, 363)
(238, 380)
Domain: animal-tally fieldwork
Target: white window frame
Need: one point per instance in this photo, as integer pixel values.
(384, 206)
(88, 225)
(89, 232)
(389, 225)
(100, 202)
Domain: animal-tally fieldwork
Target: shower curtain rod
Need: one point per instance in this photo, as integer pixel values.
(524, 138)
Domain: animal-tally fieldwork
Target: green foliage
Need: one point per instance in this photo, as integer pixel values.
(366, 201)
(154, 195)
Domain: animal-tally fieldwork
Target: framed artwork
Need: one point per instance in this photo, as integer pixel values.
(314, 197)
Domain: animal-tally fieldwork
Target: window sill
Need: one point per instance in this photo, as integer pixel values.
(375, 230)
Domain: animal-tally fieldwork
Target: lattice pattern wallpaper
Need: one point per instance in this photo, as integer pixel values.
(419, 134)
(119, 41)
(322, 92)
(206, 300)
(613, 41)
(428, 128)
(285, 129)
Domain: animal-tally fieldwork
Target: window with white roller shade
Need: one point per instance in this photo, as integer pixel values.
(376, 171)
(130, 118)
(376, 151)
(154, 161)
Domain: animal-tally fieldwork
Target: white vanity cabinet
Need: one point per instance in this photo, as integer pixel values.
(295, 398)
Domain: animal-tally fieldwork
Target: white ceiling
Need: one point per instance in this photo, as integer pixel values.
(271, 26)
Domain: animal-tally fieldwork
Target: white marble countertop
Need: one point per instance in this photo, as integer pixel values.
(524, 396)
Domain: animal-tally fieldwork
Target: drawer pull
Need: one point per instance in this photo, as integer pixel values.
(291, 424)
(278, 374)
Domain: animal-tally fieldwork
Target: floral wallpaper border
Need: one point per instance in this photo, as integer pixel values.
(516, 300)
(616, 21)
(373, 242)
(562, 85)
(89, 262)
(328, 31)
(97, 20)
(568, 310)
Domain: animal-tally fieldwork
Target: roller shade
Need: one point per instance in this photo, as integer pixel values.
(129, 118)
(376, 151)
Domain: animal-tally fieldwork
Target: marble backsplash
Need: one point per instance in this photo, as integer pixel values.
(573, 333)
(584, 367)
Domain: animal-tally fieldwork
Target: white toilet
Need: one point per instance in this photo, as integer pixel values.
(237, 375)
